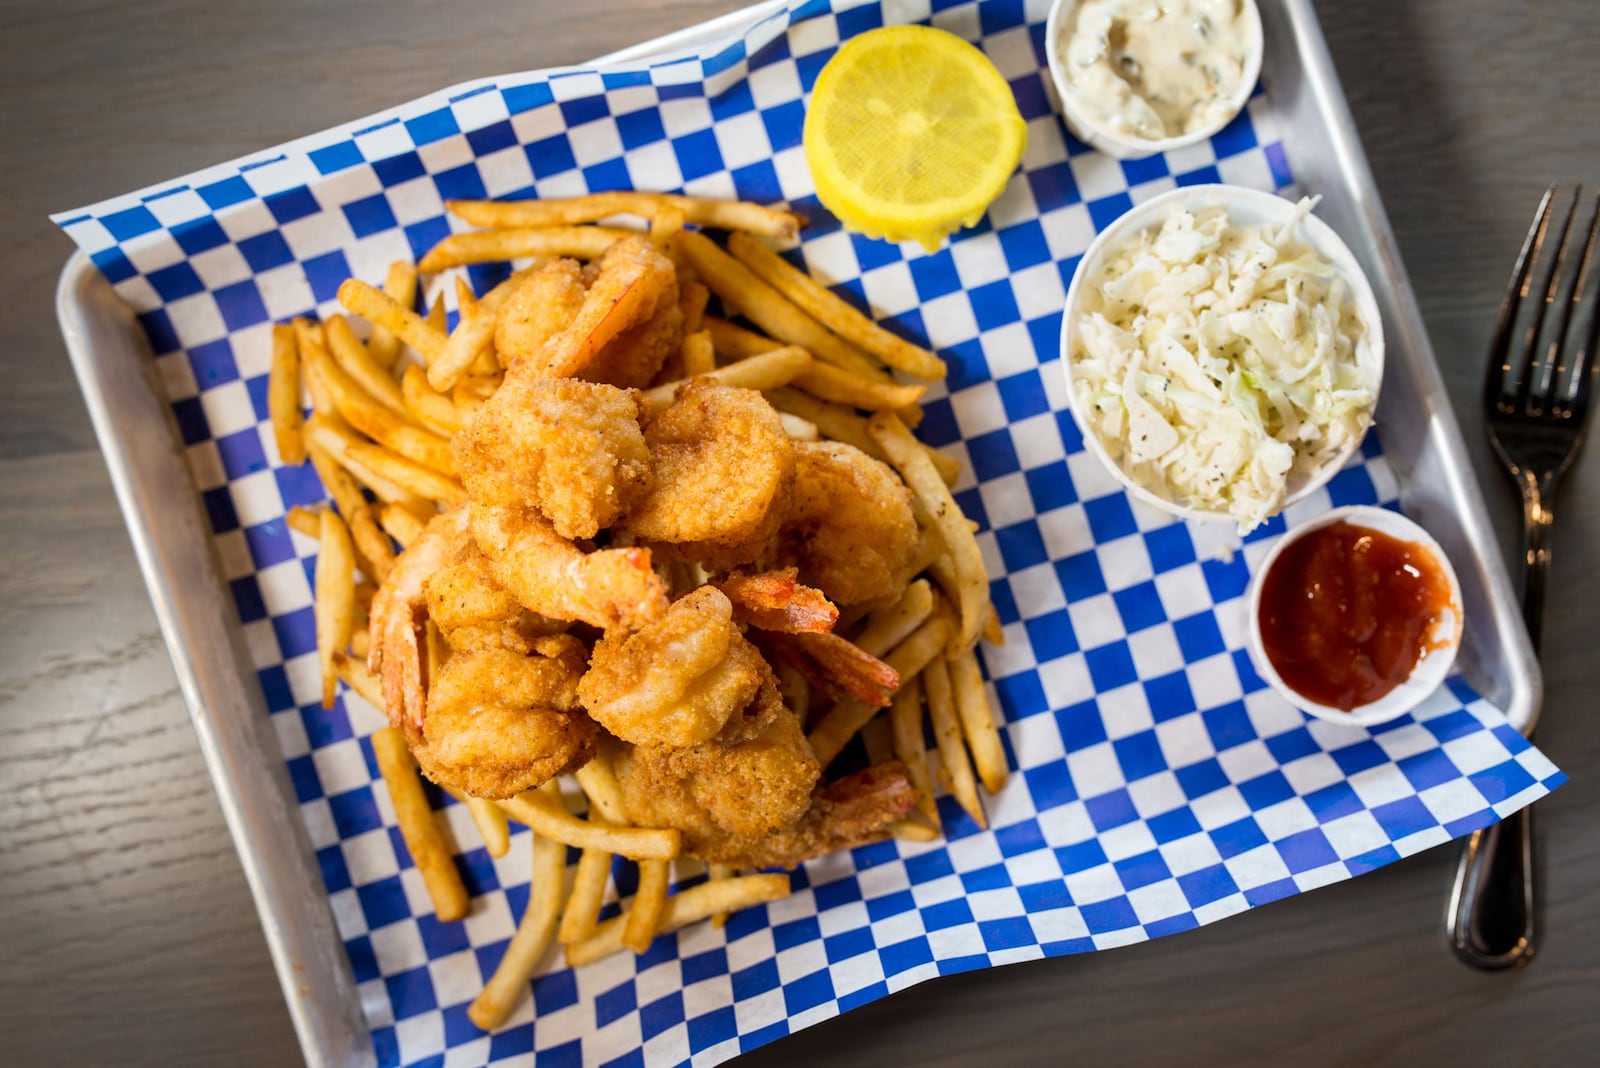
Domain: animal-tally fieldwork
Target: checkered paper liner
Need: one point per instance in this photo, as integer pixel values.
(1157, 783)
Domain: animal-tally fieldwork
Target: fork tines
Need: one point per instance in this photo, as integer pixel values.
(1549, 382)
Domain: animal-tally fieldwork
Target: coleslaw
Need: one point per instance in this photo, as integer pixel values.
(1218, 363)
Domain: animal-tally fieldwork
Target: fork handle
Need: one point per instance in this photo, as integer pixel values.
(1491, 905)
(1492, 916)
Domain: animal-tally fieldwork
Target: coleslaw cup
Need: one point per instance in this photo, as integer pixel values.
(1244, 207)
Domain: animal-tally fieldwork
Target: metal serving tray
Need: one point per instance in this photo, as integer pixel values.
(175, 550)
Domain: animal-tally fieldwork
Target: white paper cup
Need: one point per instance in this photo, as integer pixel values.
(1244, 207)
(1091, 132)
(1429, 672)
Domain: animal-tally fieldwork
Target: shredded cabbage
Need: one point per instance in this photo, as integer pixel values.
(1217, 362)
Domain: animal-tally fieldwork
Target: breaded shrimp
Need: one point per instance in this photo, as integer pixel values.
(720, 460)
(555, 578)
(677, 681)
(502, 714)
(472, 610)
(636, 356)
(749, 796)
(499, 722)
(754, 778)
(849, 526)
(570, 450)
(589, 309)
(540, 310)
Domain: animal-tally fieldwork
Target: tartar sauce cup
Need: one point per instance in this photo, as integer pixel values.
(1245, 207)
(1429, 672)
(1094, 133)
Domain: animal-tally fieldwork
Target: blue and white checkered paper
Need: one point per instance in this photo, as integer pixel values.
(1157, 785)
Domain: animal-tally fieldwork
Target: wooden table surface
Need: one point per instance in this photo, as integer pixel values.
(127, 929)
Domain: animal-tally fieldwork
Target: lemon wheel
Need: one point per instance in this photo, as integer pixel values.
(911, 134)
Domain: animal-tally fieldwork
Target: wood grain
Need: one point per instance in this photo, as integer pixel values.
(128, 931)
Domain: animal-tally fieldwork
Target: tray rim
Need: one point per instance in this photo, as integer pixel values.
(275, 853)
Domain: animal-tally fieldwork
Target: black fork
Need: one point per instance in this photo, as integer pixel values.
(1536, 394)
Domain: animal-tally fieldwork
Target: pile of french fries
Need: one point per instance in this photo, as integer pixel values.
(383, 409)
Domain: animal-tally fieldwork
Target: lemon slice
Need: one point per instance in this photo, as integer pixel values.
(911, 134)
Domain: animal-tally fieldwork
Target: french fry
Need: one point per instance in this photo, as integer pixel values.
(377, 555)
(690, 906)
(509, 984)
(303, 521)
(283, 394)
(424, 838)
(770, 369)
(649, 906)
(842, 387)
(360, 646)
(977, 721)
(473, 336)
(400, 523)
(905, 719)
(413, 478)
(877, 737)
(798, 429)
(494, 246)
(436, 321)
(335, 598)
(930, 547)
(335, 440)
(547, 817)
(833, 312)
(380, 423)
(588, 893)
(692, 298)
(434, 410)
(353, 670)
(888, 627)
(913, 830)
(491, 822)
(769, 309)
(957, 771)
(312, 342)
(380, 309)
(401, 284)
(734, 341)
(908, 457)
(466, 299)
(471, 392)
(795, 690)
(715, 872)
(841, 424)
(352, 358)
(716, 214)
(599, 784)
(698, 356)
(850, 715)
(666, 222)
(336, 480)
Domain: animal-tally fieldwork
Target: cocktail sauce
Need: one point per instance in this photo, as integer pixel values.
(1347, 612)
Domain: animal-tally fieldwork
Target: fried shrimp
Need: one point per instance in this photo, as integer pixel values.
(502, 714)
(562, 317)
(554, 577)
(570, 450)
(539, 310)
(499, 722)
(849, 526)
(677, 681)
(755, 777)
(720, 460)
(749, 796)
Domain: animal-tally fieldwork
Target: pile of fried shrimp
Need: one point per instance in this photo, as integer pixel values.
(594, 532)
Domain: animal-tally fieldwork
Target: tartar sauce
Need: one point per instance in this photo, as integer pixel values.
(1153, 69)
